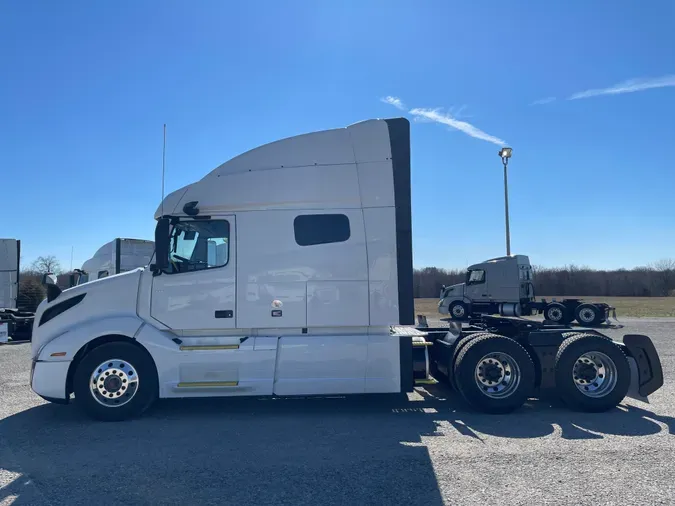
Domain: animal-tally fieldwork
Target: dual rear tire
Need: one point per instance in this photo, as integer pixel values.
(591, 373)
(495, 374)
(588, 315)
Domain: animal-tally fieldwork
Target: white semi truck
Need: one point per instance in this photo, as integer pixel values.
(288, 271)
(14, 322)
(114, 257)
(505, 286)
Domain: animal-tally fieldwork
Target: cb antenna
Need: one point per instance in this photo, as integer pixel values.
(163, 166)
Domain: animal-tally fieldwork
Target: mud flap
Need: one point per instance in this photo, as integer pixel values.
(634, 388)
(612, 320)
(648, 371)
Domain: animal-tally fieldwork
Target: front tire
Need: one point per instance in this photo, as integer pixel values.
(591, 373)
(458, 310)
(494, 374)
(115, 381)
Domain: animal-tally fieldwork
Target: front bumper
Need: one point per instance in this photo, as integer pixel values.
(48, 380)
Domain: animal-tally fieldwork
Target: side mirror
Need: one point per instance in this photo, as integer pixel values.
(161, 245)
(49, 279)
(53, 291)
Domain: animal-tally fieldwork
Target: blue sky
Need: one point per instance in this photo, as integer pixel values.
(86, 87)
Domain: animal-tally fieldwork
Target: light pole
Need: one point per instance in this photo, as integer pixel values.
(505, 154)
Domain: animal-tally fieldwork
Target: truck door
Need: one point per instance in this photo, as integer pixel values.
(477, 285)
(198, 291)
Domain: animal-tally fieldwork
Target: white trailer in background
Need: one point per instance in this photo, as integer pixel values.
(10, 250)
(288, 271)
(117, 256)
(14, 323)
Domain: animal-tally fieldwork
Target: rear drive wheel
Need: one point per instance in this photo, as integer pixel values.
(588, 315)
(494, 374)
(591, 373)
(460, 346)
(115, 381)
(458, 310)
(557, 313)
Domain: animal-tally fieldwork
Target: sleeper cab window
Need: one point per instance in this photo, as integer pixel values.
(102, 274)
(313, 229)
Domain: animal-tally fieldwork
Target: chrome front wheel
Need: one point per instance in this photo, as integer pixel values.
(114, 382)
(107, 381)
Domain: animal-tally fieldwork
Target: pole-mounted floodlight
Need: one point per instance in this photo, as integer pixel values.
(505, 154)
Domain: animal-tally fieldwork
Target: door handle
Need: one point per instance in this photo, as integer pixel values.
(227, 313)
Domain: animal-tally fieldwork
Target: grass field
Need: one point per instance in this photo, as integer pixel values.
(625, 306)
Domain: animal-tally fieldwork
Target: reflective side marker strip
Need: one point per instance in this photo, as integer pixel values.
(210, 347)
(58, 354)
(425, 382)
(208, 384)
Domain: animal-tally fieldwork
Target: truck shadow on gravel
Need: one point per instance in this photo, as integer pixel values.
(548, 415)
(360, 450)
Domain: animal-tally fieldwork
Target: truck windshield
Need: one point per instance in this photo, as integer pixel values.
(198, 245)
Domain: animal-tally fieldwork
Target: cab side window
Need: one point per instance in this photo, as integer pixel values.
(102, 274)
(198, 245)
(476, 277)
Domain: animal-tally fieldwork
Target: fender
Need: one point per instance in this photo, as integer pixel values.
(463, 299)
(77, 336)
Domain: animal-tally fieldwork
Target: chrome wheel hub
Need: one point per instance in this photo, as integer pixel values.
(595, 374)
(114, 383)
(555, 314)
(458, 311)
(497, 375)
(587, 315)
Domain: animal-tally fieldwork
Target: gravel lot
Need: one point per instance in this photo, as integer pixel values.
(425, 450)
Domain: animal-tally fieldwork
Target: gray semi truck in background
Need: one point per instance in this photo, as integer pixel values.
(504, 286)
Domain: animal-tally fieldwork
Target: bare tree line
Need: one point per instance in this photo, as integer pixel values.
(31, 291)
(656, 280)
